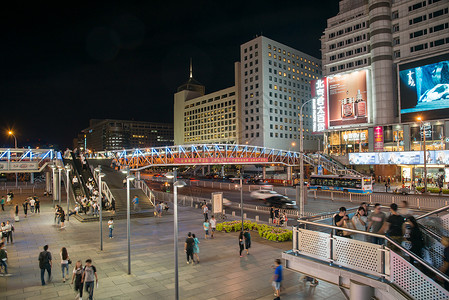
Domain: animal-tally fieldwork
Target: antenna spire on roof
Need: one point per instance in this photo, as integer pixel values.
(191, 72)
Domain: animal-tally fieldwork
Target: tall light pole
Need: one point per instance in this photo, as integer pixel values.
(15, 146)
(301, 159)
(60, 183)
(423, 128)
(241, 197)
(129, 178)
(67, 171)
(176, 184)
(53, 169)
(100, 193)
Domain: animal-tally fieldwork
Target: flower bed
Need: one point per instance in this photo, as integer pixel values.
(268, 232)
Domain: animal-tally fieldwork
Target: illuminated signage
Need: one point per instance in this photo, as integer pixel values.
(437, 157)
(220, 160)
(378, 138)
(319, 105)
(354, 136)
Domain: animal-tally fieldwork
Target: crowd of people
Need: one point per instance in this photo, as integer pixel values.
(277, 217)
(82, 277)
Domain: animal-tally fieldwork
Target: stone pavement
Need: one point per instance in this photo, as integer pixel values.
(222, 274)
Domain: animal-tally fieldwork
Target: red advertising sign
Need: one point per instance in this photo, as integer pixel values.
(221, 160)
(378, 138)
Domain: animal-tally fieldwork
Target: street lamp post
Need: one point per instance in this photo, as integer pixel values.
(176, 184)
(15, 146)
(67, 170)
(241, 197)
(129, 178)
(423, 128)
(53, 169)
(100, 176)
(301, 160)
(60, 183)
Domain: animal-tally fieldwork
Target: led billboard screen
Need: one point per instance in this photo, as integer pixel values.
(424, 89)
(348, 99)
(399, 158)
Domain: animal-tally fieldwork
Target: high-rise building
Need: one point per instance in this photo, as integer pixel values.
(110, 134)
(386, 63)
(210, 118)
(275, 83)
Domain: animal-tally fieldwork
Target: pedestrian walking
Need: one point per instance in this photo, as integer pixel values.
(196, 249)
(25, 207)
(3, 230)
(277, 279)
(136, 202)
(32, 205)
(206, 226)
(62, 217)
(272, 214)
(64, 263)
(241, 243)
(89, 278)
(247, 237)
(113, 205)
(111, 227)
(188, 247)
(77, 277)
(2, 203)
(37, 206)
(45, 263)
(205, 212)
(4, 259)
(9, 231)
(16, 213)
(57, 214)
(213, 226)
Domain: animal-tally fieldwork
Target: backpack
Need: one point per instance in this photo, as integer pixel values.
(43, 259)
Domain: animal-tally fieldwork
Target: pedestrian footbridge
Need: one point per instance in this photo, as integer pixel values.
(22, 160)
(365, 270)
(217, 154)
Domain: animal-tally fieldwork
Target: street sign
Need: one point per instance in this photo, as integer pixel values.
(217, 203)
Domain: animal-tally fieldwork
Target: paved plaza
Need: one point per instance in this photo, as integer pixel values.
(222, 274)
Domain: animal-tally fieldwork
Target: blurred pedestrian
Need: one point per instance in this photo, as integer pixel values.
(64, 263)
(2, 203)
(206, 226)
(247, 237)
(25, 207)
(241, 243)
(77, 276)
(277, 278)
(16, 213)
(205, 211)
(10, 230)
(45, 263)
(4, 259)
(213, 226)
(37, 206)
(111, 227)
(188, 247)
(32, 205)
(89, 278)
(196, 249)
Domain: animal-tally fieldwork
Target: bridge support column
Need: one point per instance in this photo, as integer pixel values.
(360, 291)
(47, 182)
(55, 186)
(264, 172)
(222, 171)
(203, 170)
(289, 174)
(208, 169)
(32, 178)
(138, 175)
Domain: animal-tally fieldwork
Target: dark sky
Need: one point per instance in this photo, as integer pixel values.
(64, 64)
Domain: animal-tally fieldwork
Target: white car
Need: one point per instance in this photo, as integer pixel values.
(264, 194)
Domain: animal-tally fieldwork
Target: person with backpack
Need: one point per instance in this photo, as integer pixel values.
(77, 276)
(45, 263)
(89, 278)
(3, 259)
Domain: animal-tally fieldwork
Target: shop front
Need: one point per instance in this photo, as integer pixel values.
(348, 141)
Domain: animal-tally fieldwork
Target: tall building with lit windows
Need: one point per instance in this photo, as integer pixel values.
(275, 82)
(201, 118)
(385, 67)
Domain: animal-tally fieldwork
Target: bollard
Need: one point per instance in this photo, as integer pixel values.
(196, 205)
(270, 220)
(314, 194)
(224, 212)
(244, 216)
(233, 213)
(257, 219)
(332, 196)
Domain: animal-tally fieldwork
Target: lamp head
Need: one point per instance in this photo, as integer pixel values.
(419, 119)
(101, 175)
(130, 177)
(169, 175)
(180, 184)
(10, 132)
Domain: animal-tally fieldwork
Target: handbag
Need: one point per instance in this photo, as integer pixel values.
(69, 261)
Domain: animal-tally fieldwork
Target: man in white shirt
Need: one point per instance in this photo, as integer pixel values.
(32, 204)
(213, 225)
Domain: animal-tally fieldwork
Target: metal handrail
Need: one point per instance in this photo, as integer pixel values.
(433, 212)
(326, 213)
(420, 260)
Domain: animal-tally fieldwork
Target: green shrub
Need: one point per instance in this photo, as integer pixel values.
(268, 232)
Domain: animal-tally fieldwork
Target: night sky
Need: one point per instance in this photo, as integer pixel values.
(64, 64)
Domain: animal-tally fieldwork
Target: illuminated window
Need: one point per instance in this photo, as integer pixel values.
(269, 54)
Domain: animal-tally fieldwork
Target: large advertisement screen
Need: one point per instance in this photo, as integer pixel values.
(399, 158)
(424, 89)
(348, 99)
